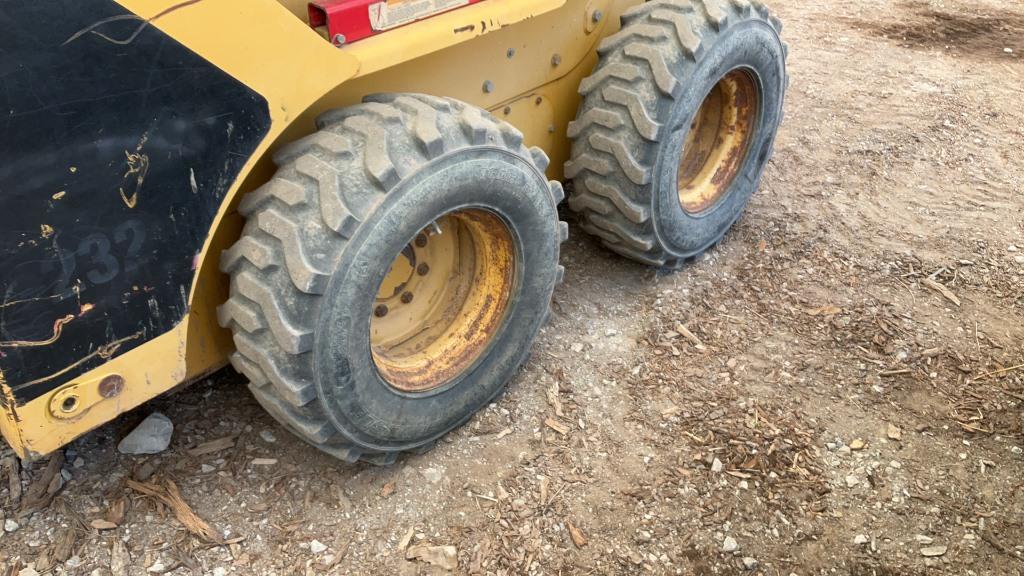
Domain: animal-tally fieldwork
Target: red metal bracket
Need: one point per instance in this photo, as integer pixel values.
(348, 21)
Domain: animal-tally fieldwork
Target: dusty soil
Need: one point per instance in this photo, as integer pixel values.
(836, 389)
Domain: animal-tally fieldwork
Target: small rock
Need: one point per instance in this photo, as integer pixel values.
(749, 563)
(268, 436)
(1011, 248)
(922, 539)
(1019, 259)
(317, 547)
(433, 475)
(28, 571)
(207, 468)
(1017, 450)
(220, 571)
(844, 450)
(157, 567)
(858, 444)
(730, 544)
(893, 432)
(78, 463)
(933, 551)
(852, 481)
(861, 539)
(717, 466)
(152, 436)
(10, 525)
(576, 347)
(1008, 50)
(644, 536)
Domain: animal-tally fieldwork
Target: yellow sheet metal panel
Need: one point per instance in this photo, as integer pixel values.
(523, 60)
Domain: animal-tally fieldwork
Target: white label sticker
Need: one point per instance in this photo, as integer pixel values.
(394, 13)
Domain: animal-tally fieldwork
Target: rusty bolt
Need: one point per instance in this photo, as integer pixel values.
(406, 297)
(380, 311)
(422, 269)
(508, 110)
(539, 100)
(111, 386)
(421, 240)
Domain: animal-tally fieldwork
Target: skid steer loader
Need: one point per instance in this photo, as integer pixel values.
(351, 201)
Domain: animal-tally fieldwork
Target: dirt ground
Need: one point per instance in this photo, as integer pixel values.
(836, 389)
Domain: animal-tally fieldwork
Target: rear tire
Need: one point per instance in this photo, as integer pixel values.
(668, 145)
(346, 209)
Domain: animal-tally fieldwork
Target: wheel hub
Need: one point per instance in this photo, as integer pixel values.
(443, 299)
(718, 141)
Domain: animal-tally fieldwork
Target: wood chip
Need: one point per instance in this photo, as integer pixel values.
(13, 468)
(557, 426)
(264, 461)
(445, 557)
(577, 536)
(171, 497)
(45, 486)
(404, 542)
(545, 483)
(116, 512)
(941, 289)
(825, 311)
(213, 446)
(690, 336)
(387, 490)
(858, 444)
(64, 545)
(101, 524)
(119, 558)
(552, 395)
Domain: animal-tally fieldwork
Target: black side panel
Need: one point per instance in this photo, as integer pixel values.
(116, 151)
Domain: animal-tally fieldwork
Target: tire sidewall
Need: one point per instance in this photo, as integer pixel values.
(356, 398)
(752, 45)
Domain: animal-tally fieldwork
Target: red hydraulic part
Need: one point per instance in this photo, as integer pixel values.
(350, 20)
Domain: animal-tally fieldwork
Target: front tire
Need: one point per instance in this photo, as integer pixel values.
(392, 275)
(676, 126)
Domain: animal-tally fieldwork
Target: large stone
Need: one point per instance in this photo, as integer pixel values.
(152, 436)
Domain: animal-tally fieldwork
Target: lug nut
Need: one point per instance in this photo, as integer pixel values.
(380, 311)
(422, 269)
(406, 297)
(421, 240)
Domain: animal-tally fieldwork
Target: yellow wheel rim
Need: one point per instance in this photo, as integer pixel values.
(443, 299)
(718, 140)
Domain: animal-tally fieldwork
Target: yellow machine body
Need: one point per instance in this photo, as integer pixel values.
(521, 59)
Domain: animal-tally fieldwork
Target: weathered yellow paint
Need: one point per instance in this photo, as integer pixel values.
(454, 305)
(523, 49)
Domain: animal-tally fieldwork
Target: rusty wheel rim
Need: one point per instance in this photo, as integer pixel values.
(443, 300)
(718, 141)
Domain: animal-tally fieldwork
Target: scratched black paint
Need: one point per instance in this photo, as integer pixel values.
(114, 158)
